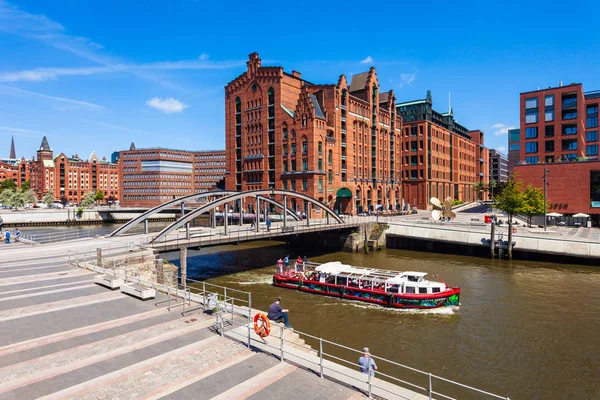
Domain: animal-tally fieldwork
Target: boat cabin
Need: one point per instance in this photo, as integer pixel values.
(409, 282)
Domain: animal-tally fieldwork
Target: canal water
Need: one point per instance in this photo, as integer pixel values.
(524, 330)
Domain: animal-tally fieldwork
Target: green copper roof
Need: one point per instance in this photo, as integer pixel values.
(291, 113)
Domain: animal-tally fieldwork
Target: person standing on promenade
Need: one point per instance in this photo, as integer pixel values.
(276, 313)
(7, 237)
(366, 363)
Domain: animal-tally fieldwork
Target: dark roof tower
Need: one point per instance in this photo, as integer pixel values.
(45, 146)
(44, 152)
(132, 147)
(13, 154)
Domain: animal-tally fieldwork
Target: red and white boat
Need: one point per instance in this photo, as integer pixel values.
(388, 288)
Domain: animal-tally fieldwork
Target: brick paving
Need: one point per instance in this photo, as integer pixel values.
(61, 337)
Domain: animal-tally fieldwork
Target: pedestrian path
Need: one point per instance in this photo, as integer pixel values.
(62, 337)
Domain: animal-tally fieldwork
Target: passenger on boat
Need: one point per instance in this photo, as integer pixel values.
(304, 261)
(286, 261)
(299, 264)
(280, 266)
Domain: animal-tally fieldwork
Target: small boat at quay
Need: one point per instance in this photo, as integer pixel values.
(394, 289)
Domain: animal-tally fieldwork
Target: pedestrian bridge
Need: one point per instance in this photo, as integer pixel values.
(181, 234)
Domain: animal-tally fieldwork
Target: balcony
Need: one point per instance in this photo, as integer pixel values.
(254, 157)
(569, 103)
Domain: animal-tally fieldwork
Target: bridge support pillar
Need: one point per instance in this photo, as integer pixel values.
(307, 212)
(284, 211)
(213, 218)
(187, 231)
(146, 226)
(183, 264)
(257, 213)
(225, 207)
(327, 216)
(241, 210)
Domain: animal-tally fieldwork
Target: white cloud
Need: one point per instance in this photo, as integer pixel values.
(62, 103)
(368, 60)
(9, 130)
(203, 56)
(501, 149)
(168, 106)
(501, 129)
(407, 78)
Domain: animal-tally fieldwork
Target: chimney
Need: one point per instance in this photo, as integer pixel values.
(296, 74)
(560, 84)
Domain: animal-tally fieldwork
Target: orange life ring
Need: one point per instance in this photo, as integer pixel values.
(514, 230)
(264, 328)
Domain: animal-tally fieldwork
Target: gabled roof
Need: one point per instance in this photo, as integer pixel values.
(318, 111)
(359, 81)
(290, 112)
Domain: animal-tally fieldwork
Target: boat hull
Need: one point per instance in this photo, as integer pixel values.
(447, 298)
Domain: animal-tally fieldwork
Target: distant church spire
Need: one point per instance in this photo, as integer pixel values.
(132, 147)
(45, 146)
(13, 154)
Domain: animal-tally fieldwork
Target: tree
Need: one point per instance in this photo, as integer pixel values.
(99, 195)
(28, 196)
(492, 185)
(48, 198)
(17, 199)
(26, 186)
(533, 202)
(6, 197)
(88, 200)
(511, 201)
(8, 184)
(479, 189)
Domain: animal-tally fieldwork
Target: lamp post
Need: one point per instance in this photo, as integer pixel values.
(545, 178)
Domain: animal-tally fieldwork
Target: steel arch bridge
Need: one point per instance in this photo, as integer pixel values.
(226, 197)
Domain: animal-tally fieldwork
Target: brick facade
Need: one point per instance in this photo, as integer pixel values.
(341, 143)
(150, 177)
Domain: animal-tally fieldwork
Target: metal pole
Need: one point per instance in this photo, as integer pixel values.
(430, 387)
(321, 356)
(492, 240)
(240, 210)
(146, 226)
(545, 183)
(307, 207)
(249, 316)
(225, 207)
(281, 343)
(257, 214)
(284, 211)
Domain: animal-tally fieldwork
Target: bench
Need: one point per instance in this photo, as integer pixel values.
(139, 291)
(111, 282)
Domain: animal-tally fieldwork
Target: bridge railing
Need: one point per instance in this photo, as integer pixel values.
(237, 233)
(62, 235)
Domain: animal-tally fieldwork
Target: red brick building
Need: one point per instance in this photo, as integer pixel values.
(441, 158)
(69, 178)
(152, 176)
(574, 187)
(13, 168)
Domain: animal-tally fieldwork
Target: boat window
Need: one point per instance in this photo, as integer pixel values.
(422, 290)
(413, 278)
(435, 290)
(410, 289)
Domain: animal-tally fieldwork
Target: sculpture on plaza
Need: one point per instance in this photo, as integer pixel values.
(441, 211)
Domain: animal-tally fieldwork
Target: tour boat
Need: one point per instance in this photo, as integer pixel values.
(388, 288)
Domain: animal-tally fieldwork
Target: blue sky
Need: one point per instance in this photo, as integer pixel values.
(97, 75)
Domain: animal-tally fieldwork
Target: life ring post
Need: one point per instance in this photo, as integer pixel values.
(262, 325)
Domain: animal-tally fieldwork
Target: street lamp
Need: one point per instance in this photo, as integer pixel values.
(545, 178)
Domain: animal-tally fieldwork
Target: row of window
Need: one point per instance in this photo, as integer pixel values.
(155, 190)
(159, 154)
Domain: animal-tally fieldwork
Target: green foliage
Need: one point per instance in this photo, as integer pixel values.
(88, 200)
(26, 186)
(511, 200)
(17, 199)
(6, 197)
(457, 202)
(7, 184)
(99, 195)
(79, 211)
(48, 198)
(29, 196)
(533, 202)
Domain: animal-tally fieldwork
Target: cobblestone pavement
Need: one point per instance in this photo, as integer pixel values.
(61, 337)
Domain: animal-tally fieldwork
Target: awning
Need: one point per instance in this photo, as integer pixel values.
(343, 193)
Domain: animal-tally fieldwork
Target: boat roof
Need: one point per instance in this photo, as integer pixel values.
(344, 270)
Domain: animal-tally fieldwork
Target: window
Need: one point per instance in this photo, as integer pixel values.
(435, 290)
(285, 150)
(305, 164)
(320, 185)
(304, 147)
(569, 114)
(531, 133)
(591, 136)
(271, 96)
(293, 185)
(330, 177)
(285, 166)
(591, 122)
(293, 149)
(569, 130)
(591, 150)
(570, 144)
(320, 147)
(422, 290)
(293, 134)
(515, 147)
(515, 135)
(531, 160)
(531, 103)
(549, 146)
(531, 117)
(410, 289)
(320, 164)
(531, 147)
(569, 157)
(305, 184)
(549, 131)
(285, 132)
(293, 165)
(549, 100)
(330, 157)
(549, 116)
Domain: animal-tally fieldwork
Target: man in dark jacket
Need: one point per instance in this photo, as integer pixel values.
(276, 313)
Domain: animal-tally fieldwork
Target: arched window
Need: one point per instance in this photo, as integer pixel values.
(285, 131)
(304, 146)
(320, 147)
(344, 97)
(238, 105)
(293, 134)
(271, 95)
(330, 157)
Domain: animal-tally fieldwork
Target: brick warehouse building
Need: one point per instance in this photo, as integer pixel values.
(13, 168)
(152, 176)
(441, 158)
(559, 130)
(339, 143)
(69, 178)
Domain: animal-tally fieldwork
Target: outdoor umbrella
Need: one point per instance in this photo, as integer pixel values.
(554, 214)
(581, 215)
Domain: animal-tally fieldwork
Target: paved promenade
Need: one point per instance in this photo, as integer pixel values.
(62, 337)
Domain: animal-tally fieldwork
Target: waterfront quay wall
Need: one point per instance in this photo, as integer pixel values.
(462, 241)
(68, 216)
